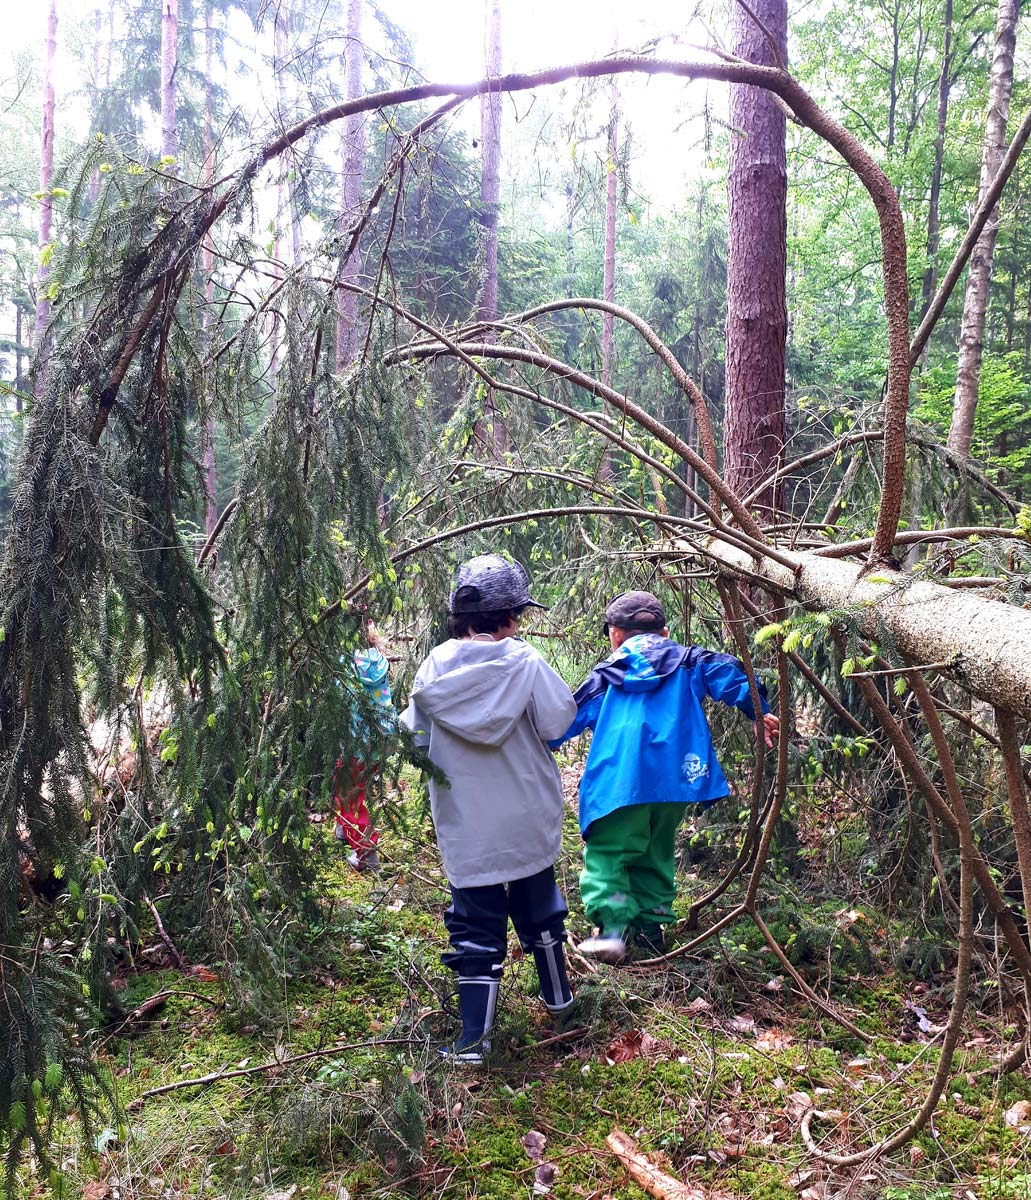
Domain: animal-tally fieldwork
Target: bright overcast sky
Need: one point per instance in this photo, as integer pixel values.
(449, 38)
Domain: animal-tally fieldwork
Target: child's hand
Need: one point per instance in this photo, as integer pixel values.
(771, 728)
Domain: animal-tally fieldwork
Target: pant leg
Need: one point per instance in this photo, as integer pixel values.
(653, 875)
(352, 813)
(614, 842)
(536, 907)
(477, 924)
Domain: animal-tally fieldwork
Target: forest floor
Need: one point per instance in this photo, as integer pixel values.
(709, 1062)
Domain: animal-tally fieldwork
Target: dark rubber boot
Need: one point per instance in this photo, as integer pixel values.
(477, 1000)
(549, 955)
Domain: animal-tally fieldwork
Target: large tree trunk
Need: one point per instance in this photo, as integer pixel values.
(354, 172)
(753, 428)
(975, 301)
(169, 70)
(46, 175)
(208, 263)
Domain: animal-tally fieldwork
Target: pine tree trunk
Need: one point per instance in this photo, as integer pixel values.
(753, 429)
(979, 278)
(208, 263)
(46, 175)
(169, 70)
(353, 176)
(930, 280)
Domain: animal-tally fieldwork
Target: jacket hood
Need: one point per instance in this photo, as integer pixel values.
(371, 665)
(481, 689)
(643, 662)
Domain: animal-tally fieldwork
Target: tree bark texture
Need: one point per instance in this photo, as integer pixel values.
(987, 643)
(169, 71)
(353, 179)
(753, 428)
(46, 175)
(979, 277)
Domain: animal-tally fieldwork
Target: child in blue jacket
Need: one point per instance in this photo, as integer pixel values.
(651, 756)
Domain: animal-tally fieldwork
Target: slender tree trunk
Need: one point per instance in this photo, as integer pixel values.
(46, 175)
(208, 262)
(753, 429)
(94, 179)
(609, 272)
(930, 280)
(979, 278)
(17, 355)
(281, 36)
(354, 163)
(491, 431)
(169, 70)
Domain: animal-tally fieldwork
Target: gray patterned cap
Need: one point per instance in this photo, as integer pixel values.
(635, 610)
(490, 583)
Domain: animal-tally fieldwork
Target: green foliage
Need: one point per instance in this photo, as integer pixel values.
(1001, 420)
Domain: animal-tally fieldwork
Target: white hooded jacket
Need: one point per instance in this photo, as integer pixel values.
(485, 710)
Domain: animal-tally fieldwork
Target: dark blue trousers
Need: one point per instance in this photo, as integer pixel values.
(477, 921)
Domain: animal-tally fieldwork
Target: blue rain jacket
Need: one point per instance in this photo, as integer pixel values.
(651, 742)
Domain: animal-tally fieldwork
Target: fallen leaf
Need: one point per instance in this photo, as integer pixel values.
(1017, 1114)
(745, 1023)
(797, 1105)
(533, 1144)
(96, 1189)
(773, 1039)
(544, 1178)
(629, 1046)
(699, 1004)
(204, 973)
(776, 984)
(856, 1066)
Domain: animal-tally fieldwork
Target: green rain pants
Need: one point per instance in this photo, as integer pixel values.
(629, 873)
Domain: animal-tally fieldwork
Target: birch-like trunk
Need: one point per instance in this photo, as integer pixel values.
(753, 428)
(169, 70)
(208, 263)
(46, 176)
(609, 273)
(94, 179)
(353, 176)
(491, 431)
(979, 277)
(930, 280)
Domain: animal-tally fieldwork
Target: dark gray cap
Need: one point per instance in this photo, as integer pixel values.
(490, 583)
(635, 610)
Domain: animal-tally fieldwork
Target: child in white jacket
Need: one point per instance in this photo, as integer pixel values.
(485, 704)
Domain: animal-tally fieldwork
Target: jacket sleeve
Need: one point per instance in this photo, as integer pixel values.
(587, 697)
(413, 717)
(551, 706)
(726, 681)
